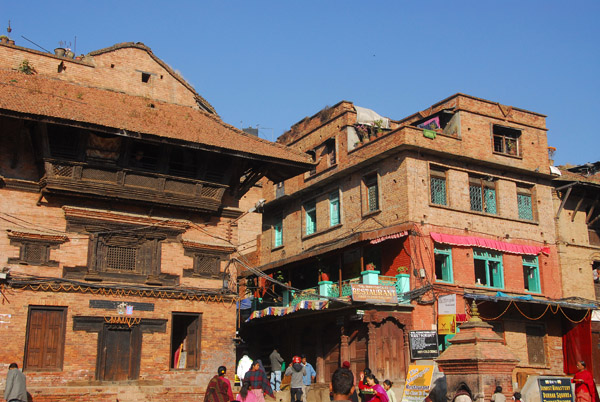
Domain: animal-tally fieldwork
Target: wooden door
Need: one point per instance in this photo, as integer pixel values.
(193, 343)
(390, 351)
(357, 347)
(119, 358)
(331, 351)
(45, 339)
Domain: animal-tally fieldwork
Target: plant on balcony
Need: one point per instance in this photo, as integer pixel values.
(402, 269)
(323, 275)
(370, 267)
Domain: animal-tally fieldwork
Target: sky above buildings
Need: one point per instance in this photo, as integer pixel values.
(268, 64)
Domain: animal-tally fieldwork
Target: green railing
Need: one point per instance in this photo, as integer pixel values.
(333, 290)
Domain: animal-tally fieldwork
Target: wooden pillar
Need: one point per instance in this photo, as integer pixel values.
(320, 358)
(344, 347)
(372, 347)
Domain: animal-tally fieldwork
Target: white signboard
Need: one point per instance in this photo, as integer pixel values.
(447, 304)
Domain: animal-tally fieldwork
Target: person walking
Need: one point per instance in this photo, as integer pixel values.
(276, 361)
(308, 378)
(244, 366)
(379, 392)
(259, 383)
(16, 389)
(219, 388)
(585, 388)
(297, 371)
(387, 385)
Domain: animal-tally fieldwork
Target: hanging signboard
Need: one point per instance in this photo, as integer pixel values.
(447, 324)
(447, 304)
(423, 344)
(555, 389)
(418, 383)
(374, 293)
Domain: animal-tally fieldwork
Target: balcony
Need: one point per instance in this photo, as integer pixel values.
(127, 184)
(400, 282)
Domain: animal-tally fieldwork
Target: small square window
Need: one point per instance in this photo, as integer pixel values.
(482, 195)
(145, 77)
(506, 140)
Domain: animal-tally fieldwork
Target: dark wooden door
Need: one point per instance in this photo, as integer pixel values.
(357, 347)
(193, 343)
(119, 354)
(331, 350)
(390, 351)
(45, 339)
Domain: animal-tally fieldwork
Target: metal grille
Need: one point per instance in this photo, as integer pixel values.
(99, 174)
(524, 205)
(121, 258)
(372, 196)
(490, 200)
(207, 265)
(62, 170)
(34, 253)
(141, 181)
(438, 191)
(475, 197)
(179, 187)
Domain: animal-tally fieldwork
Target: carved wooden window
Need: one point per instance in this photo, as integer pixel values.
(207, 265)
(33, 252)
(127, 254)
(45, 341)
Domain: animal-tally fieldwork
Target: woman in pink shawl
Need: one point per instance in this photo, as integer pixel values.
(380, 393)
(585, 389)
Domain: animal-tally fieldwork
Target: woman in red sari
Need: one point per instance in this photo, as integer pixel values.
(585, 389)
(219, 388)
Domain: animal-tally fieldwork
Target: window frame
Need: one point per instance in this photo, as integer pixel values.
(485, 187)
(532, 264)
(371, 183)
(438, 174)
(489, 257)
(525, 192)
(331, 151)
(335, 216)
(310, 217)
(44, 338)
(529, 339)
(278, 232)
(447, 253)
(503, 137)
(197, 343)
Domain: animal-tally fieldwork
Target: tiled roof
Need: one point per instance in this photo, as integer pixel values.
(139, 45)
(42, 97)
(566, 175)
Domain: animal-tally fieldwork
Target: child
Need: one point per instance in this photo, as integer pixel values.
(517, 397)
(387, 385)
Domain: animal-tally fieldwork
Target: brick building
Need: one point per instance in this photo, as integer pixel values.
(121, 209)
(453, 200)
(577, 215)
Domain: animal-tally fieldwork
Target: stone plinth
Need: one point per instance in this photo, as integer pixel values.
(478, 357)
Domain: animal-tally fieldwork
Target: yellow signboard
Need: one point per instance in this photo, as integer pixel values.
(446, 324)
(418, 383)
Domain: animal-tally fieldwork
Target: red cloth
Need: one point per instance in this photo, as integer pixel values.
(586, 384)
(380, 394)
(577, 345)
(218, 390)
(488, 243)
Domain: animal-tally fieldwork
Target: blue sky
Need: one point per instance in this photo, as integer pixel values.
(271, 63)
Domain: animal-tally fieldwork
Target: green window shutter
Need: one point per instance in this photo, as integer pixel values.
(524, 205)
(334, 209)
(490, 200)
(475, 198)
(278, 228)
(438, 191)
(311, 218)
(531, 274)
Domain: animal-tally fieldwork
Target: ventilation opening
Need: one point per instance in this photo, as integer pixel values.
(145, 77)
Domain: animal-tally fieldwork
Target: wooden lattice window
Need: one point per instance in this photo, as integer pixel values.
(121, 258)
(126, 254)
(34, 252)
(372, 193)
(207, 265)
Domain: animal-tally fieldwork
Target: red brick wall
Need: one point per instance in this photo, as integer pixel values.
(118, 70)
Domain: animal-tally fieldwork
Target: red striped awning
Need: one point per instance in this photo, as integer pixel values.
(488, 243)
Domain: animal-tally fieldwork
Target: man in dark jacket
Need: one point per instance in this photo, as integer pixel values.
(15, 391)
(276, 361)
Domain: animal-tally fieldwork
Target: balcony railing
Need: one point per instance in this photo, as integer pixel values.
(330, 289)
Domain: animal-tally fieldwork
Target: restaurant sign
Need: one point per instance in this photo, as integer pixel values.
(374, 293)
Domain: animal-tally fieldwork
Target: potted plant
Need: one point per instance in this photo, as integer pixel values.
(323, 276)
(59, 51)
(370, 267)
(69, 53)
(3, 39)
